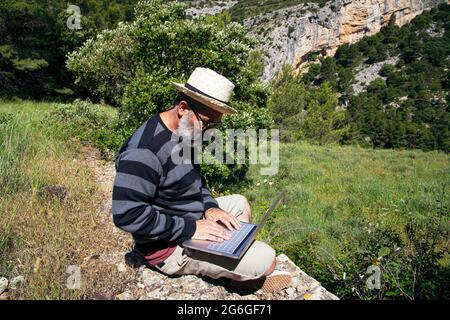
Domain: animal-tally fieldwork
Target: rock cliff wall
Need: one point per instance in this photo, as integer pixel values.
(290, 34)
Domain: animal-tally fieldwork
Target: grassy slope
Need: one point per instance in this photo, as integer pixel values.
(40, 238)
(338, 195)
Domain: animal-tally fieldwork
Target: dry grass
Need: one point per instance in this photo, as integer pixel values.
(42, 236)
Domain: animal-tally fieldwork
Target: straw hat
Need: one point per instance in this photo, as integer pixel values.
(209, 88)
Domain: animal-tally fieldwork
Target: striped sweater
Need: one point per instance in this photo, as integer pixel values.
(154, 199)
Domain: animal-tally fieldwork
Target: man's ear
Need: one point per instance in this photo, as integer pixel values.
(183, 108)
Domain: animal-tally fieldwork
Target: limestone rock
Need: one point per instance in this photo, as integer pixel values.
(125, 296)
(289, 35)
(367, 73)
(17, 282)
(3, 284)
(150, 284)
(198, 8)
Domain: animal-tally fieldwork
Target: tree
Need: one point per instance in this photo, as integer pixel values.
(323, 122)
(287, 101)
(132, 65)
(303, 111)
(34, 41)
(328, 71)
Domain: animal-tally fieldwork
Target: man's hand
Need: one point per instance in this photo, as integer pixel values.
(216, 214)
(210, 230)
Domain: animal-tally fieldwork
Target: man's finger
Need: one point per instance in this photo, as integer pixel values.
(235, 222)
(211, 237)
(227, 222)
(221, 237)
(216, 226)
(220, 232)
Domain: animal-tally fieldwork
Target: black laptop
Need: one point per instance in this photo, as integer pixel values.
(240, 239)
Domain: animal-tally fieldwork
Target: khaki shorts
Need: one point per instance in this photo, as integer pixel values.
(253, 265)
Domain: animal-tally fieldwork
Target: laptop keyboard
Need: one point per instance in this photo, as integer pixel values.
(237, 236)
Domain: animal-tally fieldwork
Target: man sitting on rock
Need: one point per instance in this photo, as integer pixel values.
(162, 203)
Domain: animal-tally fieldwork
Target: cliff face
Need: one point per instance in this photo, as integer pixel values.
(289, 35)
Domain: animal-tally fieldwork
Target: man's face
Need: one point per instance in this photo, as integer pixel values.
(192, 123)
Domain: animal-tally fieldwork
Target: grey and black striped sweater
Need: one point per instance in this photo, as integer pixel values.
(154, 199)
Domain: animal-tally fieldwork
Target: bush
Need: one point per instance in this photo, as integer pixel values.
(132, 66)
(413, 261)
(84, 121)
(306, 112)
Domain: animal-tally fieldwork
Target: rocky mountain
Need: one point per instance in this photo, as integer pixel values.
(289, 35)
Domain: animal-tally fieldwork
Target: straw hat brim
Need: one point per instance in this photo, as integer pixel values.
(207, 101)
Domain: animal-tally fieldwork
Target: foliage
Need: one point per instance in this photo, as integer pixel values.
(249, 8)
(304, 112)
(350, 208)
(59, 231)
(132, 66)
(408, 108)
(87, 123)
(34, 40)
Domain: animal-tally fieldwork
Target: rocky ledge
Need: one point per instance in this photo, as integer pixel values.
(151, 284)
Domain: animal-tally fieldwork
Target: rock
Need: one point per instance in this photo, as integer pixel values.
(196, 10)
(3, 284)
(290, 292)
(17, 282)
(4, 296)
(105, 208)
(367, 73)
(152, 284)
(125, 296)
(290, 34)
(121, 267)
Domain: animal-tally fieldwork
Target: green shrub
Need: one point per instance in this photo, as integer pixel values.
(306, 112)
(132, 66)
(84, 121)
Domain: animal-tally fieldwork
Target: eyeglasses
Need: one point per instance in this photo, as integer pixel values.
(207, 124)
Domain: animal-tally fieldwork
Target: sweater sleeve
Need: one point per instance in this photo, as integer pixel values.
(138, 172)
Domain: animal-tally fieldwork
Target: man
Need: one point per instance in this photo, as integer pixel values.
(162, 203)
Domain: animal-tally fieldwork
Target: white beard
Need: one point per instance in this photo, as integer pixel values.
(189, 132)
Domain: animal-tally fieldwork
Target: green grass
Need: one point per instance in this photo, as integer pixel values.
(339, 198)
(35, 110)
(346, 208)
(40, 236)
